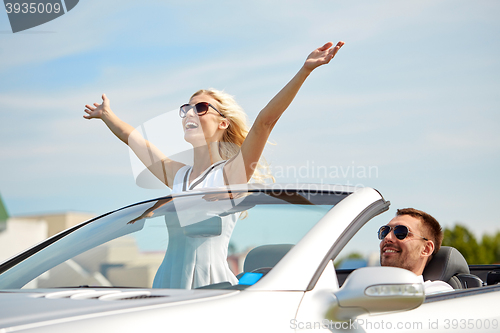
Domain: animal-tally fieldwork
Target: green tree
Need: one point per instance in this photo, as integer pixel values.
(485, 252)
(464, 241)
(491, 247)
(3, 215)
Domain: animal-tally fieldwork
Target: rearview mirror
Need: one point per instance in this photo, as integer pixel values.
(375, 290)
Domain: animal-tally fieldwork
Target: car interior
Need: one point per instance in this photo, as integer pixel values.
(263, 258)
(450, 266)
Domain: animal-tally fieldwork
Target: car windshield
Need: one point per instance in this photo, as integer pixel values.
(194, 240)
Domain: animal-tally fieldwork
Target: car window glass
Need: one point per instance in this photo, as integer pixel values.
(363, 249)
(128, 248)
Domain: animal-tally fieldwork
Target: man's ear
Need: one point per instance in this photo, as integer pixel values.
(224, 123)
(428, 249)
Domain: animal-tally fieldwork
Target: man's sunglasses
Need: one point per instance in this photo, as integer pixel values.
(400, 231)
(201, 109)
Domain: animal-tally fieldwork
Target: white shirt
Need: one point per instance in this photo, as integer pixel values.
(212, 177)
(433, 287)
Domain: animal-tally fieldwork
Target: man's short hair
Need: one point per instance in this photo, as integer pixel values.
(431, 225)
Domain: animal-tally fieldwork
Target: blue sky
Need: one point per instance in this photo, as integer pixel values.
(412, 96)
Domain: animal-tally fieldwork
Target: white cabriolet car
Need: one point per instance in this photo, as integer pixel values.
(250, 258)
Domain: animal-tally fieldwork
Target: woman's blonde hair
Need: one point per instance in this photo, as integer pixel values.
(236, 132)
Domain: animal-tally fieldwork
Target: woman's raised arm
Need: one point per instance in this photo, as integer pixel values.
(252, 147)
(162, 167)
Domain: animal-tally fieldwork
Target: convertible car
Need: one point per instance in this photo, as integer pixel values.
(247, 258)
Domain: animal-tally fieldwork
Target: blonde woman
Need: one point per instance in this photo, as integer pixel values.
(225, 153)
(215, 125)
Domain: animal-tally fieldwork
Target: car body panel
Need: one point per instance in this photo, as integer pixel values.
(29, 306)
(226, 312)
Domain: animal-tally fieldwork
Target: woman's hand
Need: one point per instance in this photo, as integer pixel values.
(146, 215)
(252, 147)
(322, 55)
(98, 110)
(147, 152)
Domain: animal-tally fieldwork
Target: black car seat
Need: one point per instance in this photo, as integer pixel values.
(264, 257)
(450, 266)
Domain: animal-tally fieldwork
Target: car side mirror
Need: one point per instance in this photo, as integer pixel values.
(375, 290)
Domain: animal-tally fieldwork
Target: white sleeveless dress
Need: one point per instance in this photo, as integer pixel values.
(192, 262)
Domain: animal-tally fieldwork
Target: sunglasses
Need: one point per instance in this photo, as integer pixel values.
(400, 231)
(201, 109)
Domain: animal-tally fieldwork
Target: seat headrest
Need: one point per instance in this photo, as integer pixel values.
(445, 264)
(265, 256)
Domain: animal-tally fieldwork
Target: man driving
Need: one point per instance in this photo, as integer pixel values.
(408, 241)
